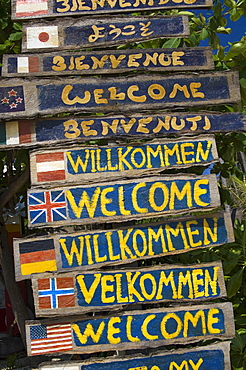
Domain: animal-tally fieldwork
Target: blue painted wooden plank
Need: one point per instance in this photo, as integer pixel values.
(135, 329)
(107, 61)
(98, 290)
(71, 33)
(57, 8)
(121, 200)
(30, 133)
(215, 356)
(27, 99)
(93, 163)
(64, 252)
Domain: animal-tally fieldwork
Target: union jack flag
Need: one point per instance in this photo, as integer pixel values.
(47, 206)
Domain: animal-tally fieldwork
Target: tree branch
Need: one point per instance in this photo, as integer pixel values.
(13, 188)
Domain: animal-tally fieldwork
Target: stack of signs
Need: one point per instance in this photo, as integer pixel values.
(86, 184)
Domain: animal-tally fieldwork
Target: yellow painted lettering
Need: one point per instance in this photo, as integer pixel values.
(85, 125)
(65, 98)
(122, 208)
(105, 201)
(131, 289)
(164, 321)
(144, 328)
(208, 231)
(76, 165)
(185, 154)
(213, 320)
(79, 63)
(194, 87)
(150, 59)
(184, 280)
(98, 96)
(135, 198)
(112, 257)
(124, 248)
(106, 126)
(113, 94)
(191, 233)
(132, 60)
(89, 332)
(194, 319)
(198, 191)
(161, 92)
(116, 61)
(175, 232)
(203, 153)
(58, 63)
(166, 281)
(171, 152)
(112, 330)
(155, 153)
(138, 99)
(212, 282)
(176, 88)
(129, 330)
(107, 288)
(180, 194)
(152, 200)
(176, 58)
(136, 244)
(84, 202)
(88, 294)
(142, 122)
(152, 235)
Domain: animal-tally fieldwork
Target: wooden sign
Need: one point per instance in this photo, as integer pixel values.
(98, 290)
(122, 200)
(80, 250)
(108, 61)
(79, 33)
(56, 8)
(215, 356)
(50, 96)
(47, 131)
(134, 329)
(89, 164)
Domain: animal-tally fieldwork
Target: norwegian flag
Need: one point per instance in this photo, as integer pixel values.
(50, 167)
(56, 293)
(26, 8)
(47, 206)
(50, 338)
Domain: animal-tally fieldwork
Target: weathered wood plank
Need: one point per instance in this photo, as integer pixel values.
(58, 8)
(65, 252)
(107, 61)
(26, 99)
(135, 329)
(55, 294)
(122, 200)
(76, 33)
(49, 131)
(214, 356)
(89, 164)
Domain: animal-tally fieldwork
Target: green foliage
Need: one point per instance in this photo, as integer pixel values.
(10, 32)
(207, 26)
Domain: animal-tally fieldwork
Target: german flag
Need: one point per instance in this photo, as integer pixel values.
(37, 256)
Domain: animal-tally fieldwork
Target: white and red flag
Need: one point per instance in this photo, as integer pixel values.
(25, 8)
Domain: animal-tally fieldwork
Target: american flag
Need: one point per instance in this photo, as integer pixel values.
(47, 206)
(50, 338)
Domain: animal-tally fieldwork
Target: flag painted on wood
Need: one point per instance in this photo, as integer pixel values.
(42, 37)
(47, 206)
(16, 132)
(50, 338)
(56, 292)
(50, 166)
(37, 257)
(12, 99)
(26, 8)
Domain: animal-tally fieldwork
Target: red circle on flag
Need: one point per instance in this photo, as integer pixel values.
(43, 37)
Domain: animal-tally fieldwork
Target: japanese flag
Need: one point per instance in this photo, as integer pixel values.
(42, 37)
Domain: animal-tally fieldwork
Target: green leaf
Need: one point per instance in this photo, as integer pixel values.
(185, 12)
(223, 30)
(230, 3)
(203, 34)
(172, 43)
(15, 36)
(234, 283)
(217, 9)
(17, 26)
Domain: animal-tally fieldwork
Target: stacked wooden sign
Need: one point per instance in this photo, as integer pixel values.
(87, 184)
